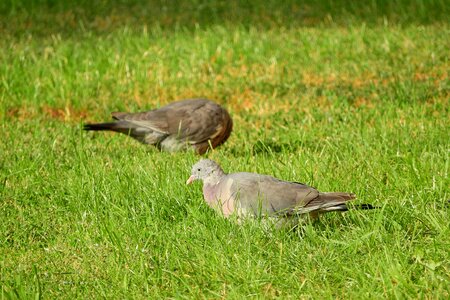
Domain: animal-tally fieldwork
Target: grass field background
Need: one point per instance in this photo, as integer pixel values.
(346, 97)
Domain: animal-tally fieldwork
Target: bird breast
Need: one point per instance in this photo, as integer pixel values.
(220, 197)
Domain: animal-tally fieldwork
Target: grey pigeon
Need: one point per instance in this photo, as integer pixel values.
(251, 194)
(191, 123)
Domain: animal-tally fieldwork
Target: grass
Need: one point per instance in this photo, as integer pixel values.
(344, 97)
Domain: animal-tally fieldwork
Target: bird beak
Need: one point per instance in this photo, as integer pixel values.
(192, 178)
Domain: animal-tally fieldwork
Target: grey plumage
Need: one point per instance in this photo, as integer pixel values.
(191, 123)
(263, 195)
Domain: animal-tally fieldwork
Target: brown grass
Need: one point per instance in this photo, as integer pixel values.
(65, 114)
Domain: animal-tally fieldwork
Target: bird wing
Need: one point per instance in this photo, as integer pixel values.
(268, 195)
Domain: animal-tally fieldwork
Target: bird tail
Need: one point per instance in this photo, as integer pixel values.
(120, 126)
(344, 207)
(101, 126)
(337, 201)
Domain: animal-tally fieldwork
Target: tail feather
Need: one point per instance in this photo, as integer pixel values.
(338, 195)
(326, 200)
(339, 207)
(344, 207)
(124, 127)
(336, 201)
(101, 126)
(121, 127)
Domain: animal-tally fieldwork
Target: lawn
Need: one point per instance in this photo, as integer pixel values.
(345, 97)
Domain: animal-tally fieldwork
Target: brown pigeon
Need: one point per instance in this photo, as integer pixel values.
(191, 123)
(251, 194)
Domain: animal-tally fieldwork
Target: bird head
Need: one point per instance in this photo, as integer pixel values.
(205, 170)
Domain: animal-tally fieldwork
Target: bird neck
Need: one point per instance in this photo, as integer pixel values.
(213, 178)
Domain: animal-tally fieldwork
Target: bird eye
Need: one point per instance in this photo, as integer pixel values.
(198, 169)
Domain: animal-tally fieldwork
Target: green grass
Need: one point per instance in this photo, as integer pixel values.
(344, 97)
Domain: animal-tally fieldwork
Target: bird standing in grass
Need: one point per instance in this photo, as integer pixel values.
(192, 123)
(251, 194)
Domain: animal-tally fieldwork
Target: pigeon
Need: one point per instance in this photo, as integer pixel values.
(200, 124)
(255, 195)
